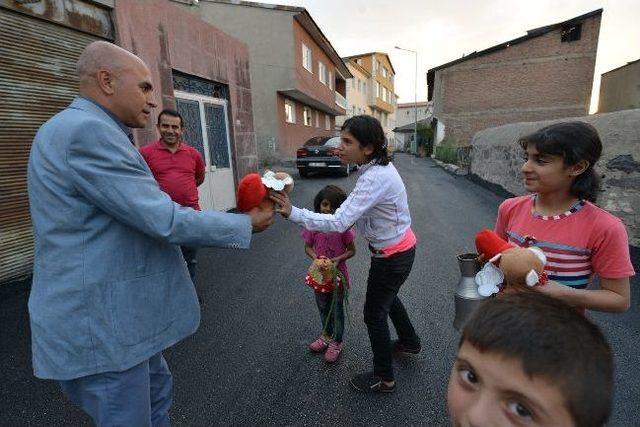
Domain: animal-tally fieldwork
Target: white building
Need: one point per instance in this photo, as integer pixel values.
(405, 119)
(405, 113)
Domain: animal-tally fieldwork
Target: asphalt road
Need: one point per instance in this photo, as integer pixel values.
(249, 364)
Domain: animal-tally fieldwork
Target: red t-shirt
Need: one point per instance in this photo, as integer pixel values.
(176, 173)
(580, 243)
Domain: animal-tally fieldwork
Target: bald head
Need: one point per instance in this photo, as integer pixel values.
(106, 56)
(117, 80)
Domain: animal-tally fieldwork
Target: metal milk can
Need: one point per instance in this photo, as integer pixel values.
(467, 298)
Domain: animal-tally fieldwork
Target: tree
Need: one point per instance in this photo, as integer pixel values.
(425, 139)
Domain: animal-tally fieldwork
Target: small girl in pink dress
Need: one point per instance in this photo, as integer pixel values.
(338, 247)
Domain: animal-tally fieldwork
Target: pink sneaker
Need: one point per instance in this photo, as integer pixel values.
(319, 345)
(333, 351)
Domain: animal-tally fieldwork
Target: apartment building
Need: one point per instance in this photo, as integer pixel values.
(298, 80)
(371, 90)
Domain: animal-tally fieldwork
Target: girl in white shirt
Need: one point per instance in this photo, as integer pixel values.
(378, 207)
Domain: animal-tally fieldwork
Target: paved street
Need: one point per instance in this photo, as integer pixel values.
(248, 362)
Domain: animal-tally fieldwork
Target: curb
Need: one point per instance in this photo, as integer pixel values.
(451, 168)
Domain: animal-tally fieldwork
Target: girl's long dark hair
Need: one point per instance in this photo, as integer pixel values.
(574, 141)
(334, 194)
(368, 131)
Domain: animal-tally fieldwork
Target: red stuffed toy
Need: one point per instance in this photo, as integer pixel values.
(508, 266)
(489, 244)
(253, 190)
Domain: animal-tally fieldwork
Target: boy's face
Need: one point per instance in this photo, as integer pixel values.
(487, 389)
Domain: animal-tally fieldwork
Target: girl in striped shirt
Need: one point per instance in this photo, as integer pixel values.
(579, 239)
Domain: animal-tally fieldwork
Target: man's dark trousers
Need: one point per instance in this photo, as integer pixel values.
(189, 254)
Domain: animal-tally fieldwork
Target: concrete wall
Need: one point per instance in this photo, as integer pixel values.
(440, 132)
(620, 89)
(496, 158)
(168, 38)
(537, 79)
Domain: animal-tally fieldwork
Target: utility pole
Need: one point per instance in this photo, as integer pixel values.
(414, 146)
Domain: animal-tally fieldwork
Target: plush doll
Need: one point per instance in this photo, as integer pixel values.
(253, 189)
(323, 276)
(508, 267)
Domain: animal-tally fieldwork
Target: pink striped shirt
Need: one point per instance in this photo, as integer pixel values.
(583, 242)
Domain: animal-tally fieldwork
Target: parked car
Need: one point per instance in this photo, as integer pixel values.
(319, 154)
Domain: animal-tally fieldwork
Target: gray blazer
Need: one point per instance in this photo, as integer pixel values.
(110, 287)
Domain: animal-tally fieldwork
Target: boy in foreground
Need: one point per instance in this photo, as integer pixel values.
(527, 359)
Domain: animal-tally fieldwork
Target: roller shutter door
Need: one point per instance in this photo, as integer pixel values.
(37, 80)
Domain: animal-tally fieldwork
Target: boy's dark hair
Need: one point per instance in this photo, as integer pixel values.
(368, 131)
(172, 113)
(334, 194)
(573, 141)
(551, 340)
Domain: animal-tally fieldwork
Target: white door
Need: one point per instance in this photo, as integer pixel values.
(206, 128)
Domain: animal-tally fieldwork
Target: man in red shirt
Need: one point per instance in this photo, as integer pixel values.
(178, 168)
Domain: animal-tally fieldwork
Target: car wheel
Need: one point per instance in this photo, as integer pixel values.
(303, 173)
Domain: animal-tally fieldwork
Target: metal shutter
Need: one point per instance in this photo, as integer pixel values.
(37, 80)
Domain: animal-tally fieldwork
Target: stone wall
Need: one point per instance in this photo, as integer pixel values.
(496, 158)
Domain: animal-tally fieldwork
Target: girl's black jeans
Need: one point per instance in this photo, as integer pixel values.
(386, 275)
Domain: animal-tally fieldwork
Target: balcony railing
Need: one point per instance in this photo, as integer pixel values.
(341, 101)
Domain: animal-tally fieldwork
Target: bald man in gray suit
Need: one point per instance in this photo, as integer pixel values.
(110, 287)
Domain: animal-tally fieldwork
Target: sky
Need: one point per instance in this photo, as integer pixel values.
(445, 30)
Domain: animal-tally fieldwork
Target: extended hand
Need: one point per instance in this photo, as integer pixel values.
(283, 204)
(261, 219)
(333, 260)
(551, 288)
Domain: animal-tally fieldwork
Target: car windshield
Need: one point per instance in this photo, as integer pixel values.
(333, 142)
(316, 140)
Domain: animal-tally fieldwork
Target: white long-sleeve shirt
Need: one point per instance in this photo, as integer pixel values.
(377, 206)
